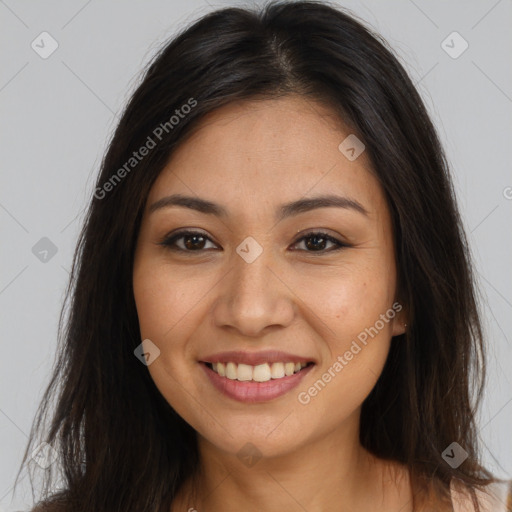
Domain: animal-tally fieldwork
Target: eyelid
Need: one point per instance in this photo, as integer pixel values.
(339, 244)
(320, 231)
(168, 240)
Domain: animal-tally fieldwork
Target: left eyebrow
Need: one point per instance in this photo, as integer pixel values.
(325, 201)
(284, 211)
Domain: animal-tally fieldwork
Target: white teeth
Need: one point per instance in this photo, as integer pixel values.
(231, 372)
(259, 373)
(244, 372)
(277, 370)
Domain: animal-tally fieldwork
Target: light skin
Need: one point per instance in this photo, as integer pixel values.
(250, 158)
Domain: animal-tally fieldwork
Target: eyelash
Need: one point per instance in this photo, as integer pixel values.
(169, 242)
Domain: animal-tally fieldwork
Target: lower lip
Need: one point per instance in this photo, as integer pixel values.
(255, 392)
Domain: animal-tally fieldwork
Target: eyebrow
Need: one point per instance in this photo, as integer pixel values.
(284, 211)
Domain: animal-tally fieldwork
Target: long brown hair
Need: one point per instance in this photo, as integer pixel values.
(119, 444)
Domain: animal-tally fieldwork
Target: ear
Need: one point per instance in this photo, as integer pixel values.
(400, 320)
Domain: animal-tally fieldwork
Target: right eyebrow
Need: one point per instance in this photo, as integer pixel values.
(194, 203)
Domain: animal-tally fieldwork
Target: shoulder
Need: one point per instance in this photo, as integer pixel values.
(496, 497)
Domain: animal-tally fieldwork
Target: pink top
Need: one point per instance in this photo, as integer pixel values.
(499, 500)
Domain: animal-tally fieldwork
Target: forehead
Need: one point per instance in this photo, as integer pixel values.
(267, 150)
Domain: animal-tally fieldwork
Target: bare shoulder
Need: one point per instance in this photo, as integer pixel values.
(496, 497)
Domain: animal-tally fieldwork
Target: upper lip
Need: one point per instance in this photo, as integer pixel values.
(255, 358)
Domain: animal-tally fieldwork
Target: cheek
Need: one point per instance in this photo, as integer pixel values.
(164, 307)
(357, 344)
(160, 304)
(355, 307)
(349, 301)
(165, 297)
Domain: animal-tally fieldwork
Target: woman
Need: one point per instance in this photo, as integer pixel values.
(272, 299)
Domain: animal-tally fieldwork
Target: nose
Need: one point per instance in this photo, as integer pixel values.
(253, 298)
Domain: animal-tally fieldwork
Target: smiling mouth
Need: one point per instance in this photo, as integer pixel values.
(259, 373)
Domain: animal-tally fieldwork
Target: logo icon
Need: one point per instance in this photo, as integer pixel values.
(147, 352)
(249, 455)
(44, 250)
(44, 45)
(454, 455)
(454, 45)
(249, 249)
(44, 455)
(351, 147)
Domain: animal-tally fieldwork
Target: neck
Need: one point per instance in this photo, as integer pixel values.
(334, 473)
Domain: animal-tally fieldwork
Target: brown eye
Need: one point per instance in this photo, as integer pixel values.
(187, 241)
(196, 241)
(317, 242)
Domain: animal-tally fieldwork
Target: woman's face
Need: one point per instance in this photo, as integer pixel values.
(257, 287)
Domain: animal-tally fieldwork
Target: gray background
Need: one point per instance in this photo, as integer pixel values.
(58, 113)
